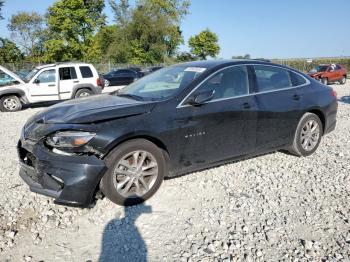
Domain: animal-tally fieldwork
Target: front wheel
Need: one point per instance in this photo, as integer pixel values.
(343, 81)
(308, 135)
(10, 104)
(136, 170)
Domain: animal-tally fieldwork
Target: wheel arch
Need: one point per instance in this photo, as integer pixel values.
(320, 115)
(15, 92)
(151, 138)
(82, 86)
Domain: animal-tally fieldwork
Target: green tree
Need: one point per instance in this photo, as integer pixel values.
(185, 57)
(204, 44)
(147, 32)
(9, 52)
(72, 25)
(246, 56)
(27, 30)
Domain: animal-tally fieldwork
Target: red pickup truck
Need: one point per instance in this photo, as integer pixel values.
(329, 73)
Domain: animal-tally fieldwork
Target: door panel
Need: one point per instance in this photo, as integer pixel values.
(279, 106)
(222, 128)
(68, 79)
(44, 86)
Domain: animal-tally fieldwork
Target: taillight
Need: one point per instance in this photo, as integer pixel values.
(334, 93)
(98, 82)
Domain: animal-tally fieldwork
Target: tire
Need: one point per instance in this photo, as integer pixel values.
(125, 153)
(301, 135)
(83, 93)
(324, 81)
(107, 83)
(10, 104)
(343, 81)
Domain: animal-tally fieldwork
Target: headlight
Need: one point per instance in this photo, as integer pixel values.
(69, 139)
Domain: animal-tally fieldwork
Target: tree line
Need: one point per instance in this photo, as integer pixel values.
(146, 32)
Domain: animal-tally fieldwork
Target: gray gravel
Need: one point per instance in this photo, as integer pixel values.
(269, 208)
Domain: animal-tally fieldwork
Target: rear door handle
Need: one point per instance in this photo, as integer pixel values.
(247, 106)
(296, 97)
(76, 81)
(52, 85)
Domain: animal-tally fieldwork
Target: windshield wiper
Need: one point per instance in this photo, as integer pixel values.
(135, 97)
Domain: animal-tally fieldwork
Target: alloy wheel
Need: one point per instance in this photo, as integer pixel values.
(135, 174)
(310, 135)
(106, 83)
(84, 94)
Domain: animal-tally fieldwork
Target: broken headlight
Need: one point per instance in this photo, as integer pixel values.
(69, 139)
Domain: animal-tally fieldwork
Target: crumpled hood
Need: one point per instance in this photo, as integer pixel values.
(316, 74)
(92, 109)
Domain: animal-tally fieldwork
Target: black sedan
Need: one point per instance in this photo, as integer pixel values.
(177, 120)
(121, 77)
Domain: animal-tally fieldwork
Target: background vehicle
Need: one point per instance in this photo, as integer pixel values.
(48, 83)
(329, 73)
(151, 69)
(177, 120)
(121, 77)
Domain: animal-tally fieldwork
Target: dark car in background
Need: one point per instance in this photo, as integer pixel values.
(122, 77)
(329, 73)
(151, 69)
(177, 120)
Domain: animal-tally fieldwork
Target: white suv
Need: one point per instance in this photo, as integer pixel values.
(48, 83)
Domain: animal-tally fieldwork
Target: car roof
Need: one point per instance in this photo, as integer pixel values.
(60, 64)
(217, 63)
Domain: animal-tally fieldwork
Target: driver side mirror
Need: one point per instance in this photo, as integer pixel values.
(201, 98)
(37, 81)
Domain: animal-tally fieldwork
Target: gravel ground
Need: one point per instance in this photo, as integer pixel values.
(273, 207)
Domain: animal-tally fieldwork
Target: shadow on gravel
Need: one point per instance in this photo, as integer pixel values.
(345, 99)
(121, 239)
(41, 104)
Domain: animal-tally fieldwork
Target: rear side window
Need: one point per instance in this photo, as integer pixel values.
(86, 72)
(272, 78)
(297, 80)
(67, 73)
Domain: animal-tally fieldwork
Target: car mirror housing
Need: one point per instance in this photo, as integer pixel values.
(201, 98)
(36, 81)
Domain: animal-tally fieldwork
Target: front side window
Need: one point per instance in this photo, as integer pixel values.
(272, 78)
(86, 72)
(163, 83)
(227, 83)
(48, 76)
(6, 80)
(67, 73)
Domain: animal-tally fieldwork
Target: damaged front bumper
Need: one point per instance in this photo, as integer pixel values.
(70, 180)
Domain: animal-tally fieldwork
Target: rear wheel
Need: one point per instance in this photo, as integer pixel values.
(136, 170)
(308, 135)
(324, 81)
(83, 93)
(343, 81)
(107, 83)
(10, 104)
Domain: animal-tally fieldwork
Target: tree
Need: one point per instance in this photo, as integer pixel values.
(27, 30)
(185, 57)
(9, 52)
(246, 56)
(147, 32)
(1, 5)
(72, 25)
(204, 44)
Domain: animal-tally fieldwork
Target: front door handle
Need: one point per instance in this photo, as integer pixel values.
(52, 85)
(296, 97)
(247, 106)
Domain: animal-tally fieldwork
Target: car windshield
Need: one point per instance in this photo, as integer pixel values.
(7, 80)
(322, 68)
(162, 84)
(31, 74)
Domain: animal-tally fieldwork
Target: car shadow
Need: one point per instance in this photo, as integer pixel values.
(41, 104)
(122, 240)
(345, 99)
